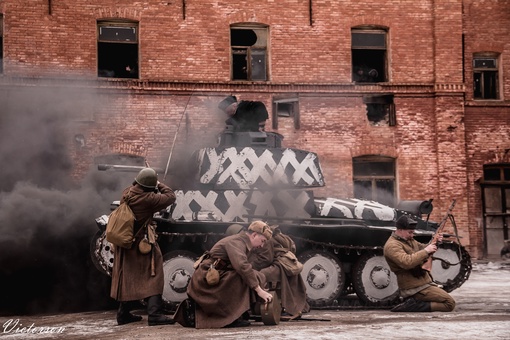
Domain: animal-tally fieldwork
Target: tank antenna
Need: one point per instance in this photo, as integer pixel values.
(177, 132)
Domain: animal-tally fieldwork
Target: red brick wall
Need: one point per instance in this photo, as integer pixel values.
(439, 145)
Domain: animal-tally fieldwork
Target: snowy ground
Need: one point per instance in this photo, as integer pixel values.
(482, 312)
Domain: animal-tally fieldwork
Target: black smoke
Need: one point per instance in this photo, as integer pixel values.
(46, 215)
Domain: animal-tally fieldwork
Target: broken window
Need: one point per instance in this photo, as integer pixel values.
(286, 107)
(117, 49)
(485, 77)
(1, 43)
(374, 178)
(249, 52)
(368, 48)
(380, 110)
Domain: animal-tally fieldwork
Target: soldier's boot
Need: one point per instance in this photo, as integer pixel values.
(155, 312)
(412, 305)
(124, 315)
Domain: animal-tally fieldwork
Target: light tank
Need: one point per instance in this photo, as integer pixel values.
(250, 176)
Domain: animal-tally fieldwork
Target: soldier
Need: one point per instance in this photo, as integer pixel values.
(223, 303)
(244, 115)
(405, 257)
(138, 276)
(292, 288)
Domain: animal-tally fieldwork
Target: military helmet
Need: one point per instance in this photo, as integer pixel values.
(147, 178)
(234, 229)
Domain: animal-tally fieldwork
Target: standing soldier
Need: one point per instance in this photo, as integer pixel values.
(405, 256)
(138, 276)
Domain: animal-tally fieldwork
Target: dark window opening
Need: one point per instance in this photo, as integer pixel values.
(286, 107)
(496, 173)
(117, 50)
(380, 110)
(368, 55)
(374, 179)
(249, 53)
(485, 78)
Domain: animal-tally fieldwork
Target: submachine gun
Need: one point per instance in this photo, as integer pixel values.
(427, 265)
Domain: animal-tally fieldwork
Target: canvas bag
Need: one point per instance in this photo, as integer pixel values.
(290, 263)
(119, 230)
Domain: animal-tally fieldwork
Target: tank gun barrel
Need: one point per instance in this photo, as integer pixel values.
(122, 168)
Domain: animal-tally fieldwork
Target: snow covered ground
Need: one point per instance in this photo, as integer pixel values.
(482, 312)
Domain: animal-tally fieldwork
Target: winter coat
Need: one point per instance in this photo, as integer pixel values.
(220, 305)
(292, 288)
(405, 259)
(136, 276)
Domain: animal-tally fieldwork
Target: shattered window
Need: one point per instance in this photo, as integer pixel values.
(249, 52)
(380, 110)
(117, 49)
(286, 107)
(374, 178)
(485, 77)
(368, 48)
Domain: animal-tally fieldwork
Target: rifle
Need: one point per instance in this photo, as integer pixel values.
(427, 265)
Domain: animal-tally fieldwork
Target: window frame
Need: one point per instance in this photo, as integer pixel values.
(360, 64)
(250, 51)
(480, 75)
(131, 58)
(293, 102)
(375, 192)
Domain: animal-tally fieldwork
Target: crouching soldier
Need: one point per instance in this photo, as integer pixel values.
(220, 300)
(405, 257)
(291, 285)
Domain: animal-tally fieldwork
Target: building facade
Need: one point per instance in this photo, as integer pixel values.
(404, 100)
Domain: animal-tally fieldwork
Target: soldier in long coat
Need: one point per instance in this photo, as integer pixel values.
(405, 256)
(138, 276)
(292, 288)
(223, 304)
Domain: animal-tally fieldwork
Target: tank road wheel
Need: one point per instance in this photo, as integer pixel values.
(101, 252)
(324, 277)
(451, 266)
(373, 281)
(177, 268)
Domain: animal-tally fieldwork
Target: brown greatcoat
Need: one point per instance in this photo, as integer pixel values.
(132, 277)
(217, 306)
(405, 259)
(292, 288)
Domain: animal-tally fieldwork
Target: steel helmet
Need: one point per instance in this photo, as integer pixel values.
(234, 229)
(147, 178)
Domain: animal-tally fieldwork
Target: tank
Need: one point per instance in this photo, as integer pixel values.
(250, 176)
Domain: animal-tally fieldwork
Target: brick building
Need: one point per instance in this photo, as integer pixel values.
(404, 100)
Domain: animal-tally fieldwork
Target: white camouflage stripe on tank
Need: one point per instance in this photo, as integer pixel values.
(231, 206)
(248, 167)
(354, 208)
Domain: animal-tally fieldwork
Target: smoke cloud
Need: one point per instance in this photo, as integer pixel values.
(46, 218)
